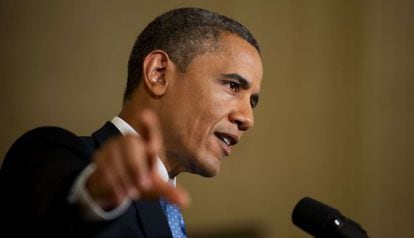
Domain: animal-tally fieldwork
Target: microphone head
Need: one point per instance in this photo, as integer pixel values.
(323, 221)
(314, 217)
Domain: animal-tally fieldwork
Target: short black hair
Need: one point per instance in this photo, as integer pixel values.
(182, 33)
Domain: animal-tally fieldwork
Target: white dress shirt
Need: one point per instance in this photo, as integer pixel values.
(80, 196)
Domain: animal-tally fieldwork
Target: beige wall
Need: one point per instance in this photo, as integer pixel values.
(335, 121)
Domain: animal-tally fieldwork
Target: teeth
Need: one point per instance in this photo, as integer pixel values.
(226, 140)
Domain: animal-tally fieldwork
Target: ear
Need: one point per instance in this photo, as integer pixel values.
(154, 72)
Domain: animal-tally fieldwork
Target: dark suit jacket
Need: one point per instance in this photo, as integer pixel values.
(37, 174)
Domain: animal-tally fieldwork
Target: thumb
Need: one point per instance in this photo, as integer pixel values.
(174, 194)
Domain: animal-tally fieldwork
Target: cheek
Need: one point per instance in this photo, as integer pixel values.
(206, 113)
(211, 109)
(202, 107)
(202, 120)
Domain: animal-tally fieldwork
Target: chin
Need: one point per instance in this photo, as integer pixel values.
(207, 168)
(209, 173)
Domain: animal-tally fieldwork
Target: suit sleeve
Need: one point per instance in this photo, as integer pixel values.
(35, 180)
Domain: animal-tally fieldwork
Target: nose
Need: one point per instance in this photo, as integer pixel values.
(243, 116)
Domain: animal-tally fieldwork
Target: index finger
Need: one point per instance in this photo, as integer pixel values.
(151, 134)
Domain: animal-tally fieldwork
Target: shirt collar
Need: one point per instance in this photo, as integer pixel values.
(126, 129)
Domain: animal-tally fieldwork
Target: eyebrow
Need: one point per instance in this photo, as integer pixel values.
(245, 84)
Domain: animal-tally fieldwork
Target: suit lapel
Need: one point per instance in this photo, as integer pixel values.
(153, 219)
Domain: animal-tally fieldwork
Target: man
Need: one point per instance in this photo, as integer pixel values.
(193, 80)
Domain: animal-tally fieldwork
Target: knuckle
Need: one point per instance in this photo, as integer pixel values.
(115, 196)
(136, 177)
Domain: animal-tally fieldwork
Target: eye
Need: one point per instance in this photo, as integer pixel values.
(235, 87)
(253, 103)
(254, 100)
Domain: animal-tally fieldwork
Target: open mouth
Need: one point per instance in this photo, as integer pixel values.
(228, 139)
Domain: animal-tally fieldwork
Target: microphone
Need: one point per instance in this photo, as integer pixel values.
(323, 221)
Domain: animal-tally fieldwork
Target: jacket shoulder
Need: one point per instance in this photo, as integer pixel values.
(45, 138)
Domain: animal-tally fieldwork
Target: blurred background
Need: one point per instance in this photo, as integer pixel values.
(335, 120)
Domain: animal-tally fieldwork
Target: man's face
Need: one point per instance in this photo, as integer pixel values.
(210, 105)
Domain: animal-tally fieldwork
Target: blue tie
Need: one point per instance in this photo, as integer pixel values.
(175, 219)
